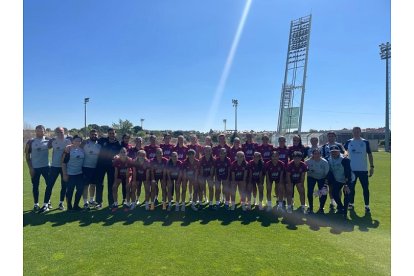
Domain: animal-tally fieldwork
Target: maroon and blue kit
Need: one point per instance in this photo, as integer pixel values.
(133, 152)
(124, 167)
(233, 151)
(283, 154)
(167, 149)
(181, 152)
(275, 171)
(141, 170)
(238, 170)
(197, 148)
(150, 150)
(222, 168)
(125, 145)
(296, 171)
(189, 169)
(249, 149)
(158, 167)
(174, 170)
(266, 151)
(216, 150)
(255, 169)
(206, 165)
(294, 148)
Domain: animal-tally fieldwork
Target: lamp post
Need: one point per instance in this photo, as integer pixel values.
(225, 121)
(235, 103)
(386, 54)
(142, 120)
(86, 100)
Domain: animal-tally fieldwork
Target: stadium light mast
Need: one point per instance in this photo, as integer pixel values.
(235, 104)
(386, 54)
(142, 120)
(86, 100)
(293, 88)
(225, 121)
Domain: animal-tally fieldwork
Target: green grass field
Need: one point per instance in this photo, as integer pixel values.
(210, 242)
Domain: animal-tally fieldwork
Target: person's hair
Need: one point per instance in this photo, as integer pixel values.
(125, 135)
(331, 132)
(315, 150)
(40, 127)
(191, 152)
(58, 128)
(356, 128)
(93, 130)
(76, 137)
(167, 134)
(111, 129)
(280, 138)
(265, 137)
(300, 139)
(297, 154)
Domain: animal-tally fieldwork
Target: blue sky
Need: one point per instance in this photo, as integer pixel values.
(162, 61)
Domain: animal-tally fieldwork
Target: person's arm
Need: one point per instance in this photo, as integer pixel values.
(28, 151)
(65, 160)
(50, 143)
(134, 175)
(370, 159)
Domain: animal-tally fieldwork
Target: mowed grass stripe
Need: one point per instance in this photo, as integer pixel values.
(209, 242)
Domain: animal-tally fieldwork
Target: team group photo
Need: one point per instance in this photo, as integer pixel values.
(239, 137)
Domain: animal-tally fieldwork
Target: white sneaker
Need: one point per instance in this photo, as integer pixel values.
(132, 207)
(269, 208)
(194, 207)
(169, 207)
(233, 207)
(244, 207)
(289, 209)
(183, 207)
(177, 208)
(146, 206)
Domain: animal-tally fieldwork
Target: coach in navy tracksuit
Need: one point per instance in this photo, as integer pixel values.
(340, 175)
(110, 146)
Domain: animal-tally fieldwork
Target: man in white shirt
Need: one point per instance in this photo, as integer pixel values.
(358, 149)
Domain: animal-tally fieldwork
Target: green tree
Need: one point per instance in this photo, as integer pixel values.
(136, 129)
(123, 127)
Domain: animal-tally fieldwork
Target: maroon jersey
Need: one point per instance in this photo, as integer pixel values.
(167, 149)
(292, 149)
(174, 170)
(124, 166)
(158, 167)
(283, 154)
(197, 149)
(142, 169)
(249, 149)
(222, 168)
(266, 151)
(133, 152)
(216, 150)
(127, 146)
(150, 151)
(255, 169)
(182, 152)
(239, 170)
(233, 152)
(189, 169)
(206, 166)
(296, 171)
(274, 172)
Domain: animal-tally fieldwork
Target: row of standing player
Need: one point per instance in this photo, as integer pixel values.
(90, 175)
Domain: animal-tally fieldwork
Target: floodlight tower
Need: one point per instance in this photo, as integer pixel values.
(386, 54)
(293, 88)
(142, 120)
(225, 121)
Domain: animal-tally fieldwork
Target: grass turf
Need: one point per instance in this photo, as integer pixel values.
(221, 242)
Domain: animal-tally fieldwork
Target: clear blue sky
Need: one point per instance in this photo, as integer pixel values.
(162, 61)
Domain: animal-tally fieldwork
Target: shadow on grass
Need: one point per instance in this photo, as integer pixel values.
(291, 221)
